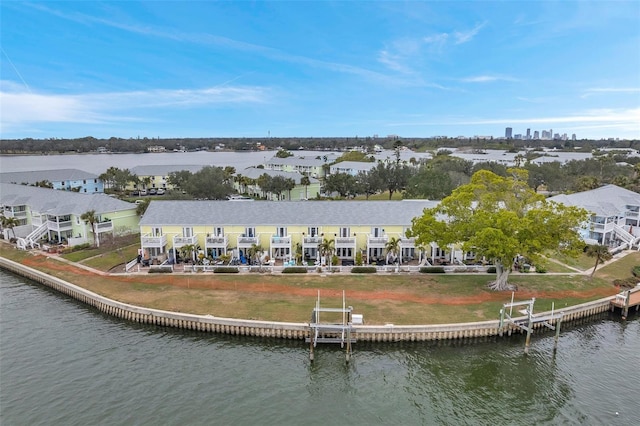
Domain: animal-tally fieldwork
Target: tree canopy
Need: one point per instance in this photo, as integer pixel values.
(501, 218)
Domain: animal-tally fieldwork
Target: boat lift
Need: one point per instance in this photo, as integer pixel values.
(338, 331)
(527, 324)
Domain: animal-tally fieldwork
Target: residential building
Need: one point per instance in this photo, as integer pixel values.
(246, 182)
(52, 215)
(351, 167)
(614, 219)
(157, 176)
(282, 229)
(310, 166)
(63, 179)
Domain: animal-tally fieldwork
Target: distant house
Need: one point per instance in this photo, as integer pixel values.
(245, 181)
(48, 214)
(351, 167)
(157, 176)
(615, 215)
(64, 179)
(156, 148)
(310, 166)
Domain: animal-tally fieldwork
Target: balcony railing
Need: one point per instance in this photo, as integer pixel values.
(216, 241)
(153, 241)
(247, 241)
(345, 241)
(59, 226)
(312, 241)
(184, 241)
(407, 242)
(104, 226)
(378, 240)
(277, 241)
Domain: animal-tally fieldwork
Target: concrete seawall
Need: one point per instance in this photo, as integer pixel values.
(286, 330)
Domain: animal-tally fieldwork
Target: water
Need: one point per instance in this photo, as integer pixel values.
(63, 363)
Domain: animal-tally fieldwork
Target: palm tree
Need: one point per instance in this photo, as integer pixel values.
(187, 252)
(10, 223)
(254, 253)
(393, 247)
(91, 218)
(327, 248)
(304, 180)
(600, 252)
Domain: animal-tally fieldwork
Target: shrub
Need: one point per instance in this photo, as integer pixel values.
(359, 258)
(226, 270)
(626, 283)
(432, 270)
(295, 270)
(636, 271)
(541, 269)
(364, 270)
(491, 270)
(160, 270)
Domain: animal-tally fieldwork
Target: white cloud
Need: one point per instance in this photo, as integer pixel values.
(20, 107)
(487, 79)
(466, 36)
(607, 90)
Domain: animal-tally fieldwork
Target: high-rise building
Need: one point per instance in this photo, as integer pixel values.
(536, 135)
(573, 137)
(507, 132)
(528, 134)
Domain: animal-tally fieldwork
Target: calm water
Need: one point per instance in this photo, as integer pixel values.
(62, 363)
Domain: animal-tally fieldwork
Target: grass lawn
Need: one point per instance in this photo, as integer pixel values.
(620, 269)
(381, 298)
(107, 261)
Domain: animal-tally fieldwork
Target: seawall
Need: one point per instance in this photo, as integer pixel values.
(288, 330)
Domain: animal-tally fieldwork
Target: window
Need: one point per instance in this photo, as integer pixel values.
(187, 232)
(250, 232)
(344, 232)
(377, 232)
(84, 181)
(218, 231)
(156, 232)
(313, 231)
(281, 232)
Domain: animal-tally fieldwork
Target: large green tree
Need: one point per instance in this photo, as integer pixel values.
(500, 218)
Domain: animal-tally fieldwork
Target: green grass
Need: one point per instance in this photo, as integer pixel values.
(108, 260)
(582, 262)
(620, 269)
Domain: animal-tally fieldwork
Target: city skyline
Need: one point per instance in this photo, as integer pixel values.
(319, 69)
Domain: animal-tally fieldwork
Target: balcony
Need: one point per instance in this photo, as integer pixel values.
(216, 242)
(59, 226)
(150, 241)
(277, 241)
(247, 241)
(180, 241)
(311, 241)
(345, 242)
(377, 241)
(407, 242)
(104, 227)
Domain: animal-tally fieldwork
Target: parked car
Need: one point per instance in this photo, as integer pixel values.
(135, 193)
(153, 191)
(143, 192)
(160, 191)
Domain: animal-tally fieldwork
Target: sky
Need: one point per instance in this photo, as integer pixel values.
(318, 68)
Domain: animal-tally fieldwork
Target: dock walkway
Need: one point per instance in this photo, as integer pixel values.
(626, 300)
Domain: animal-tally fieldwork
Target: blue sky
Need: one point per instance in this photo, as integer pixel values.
(253, 69)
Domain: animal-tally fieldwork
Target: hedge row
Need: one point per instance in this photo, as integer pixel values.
(364, 270)
(294, 270)
(432, 270)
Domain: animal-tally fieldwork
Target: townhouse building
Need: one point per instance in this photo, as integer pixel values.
(157, 176)
(282, 229)
(615, 215)
(246, 181)
(62, 179)
(47, 214)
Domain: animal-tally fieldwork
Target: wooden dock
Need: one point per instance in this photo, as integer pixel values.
(626, 300)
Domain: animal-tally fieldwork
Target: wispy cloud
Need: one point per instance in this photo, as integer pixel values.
(604, 118)
(608, 90)
(487, 79)
(20, 107)
(461, 37)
